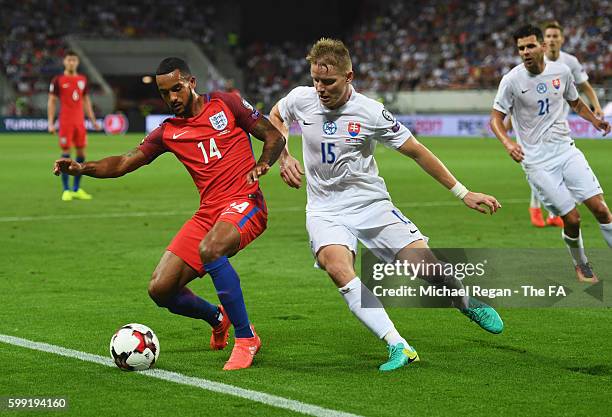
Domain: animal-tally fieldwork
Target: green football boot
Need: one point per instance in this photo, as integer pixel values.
(484, 315)
(80, 194)
(399, 356)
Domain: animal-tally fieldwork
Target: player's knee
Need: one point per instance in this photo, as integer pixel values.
(572, 219)
(211, 250)
(339, 270)
(157, 292)
(602, 213)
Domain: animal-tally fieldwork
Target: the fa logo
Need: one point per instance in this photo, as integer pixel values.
(541, 88)
(354, 128)
(556, 83)
(81, 85)
(329, 127)
(218, 121)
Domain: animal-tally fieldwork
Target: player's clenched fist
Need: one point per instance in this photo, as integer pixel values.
(67, 166)
(515, 151)
(291, 171)
(258, 170)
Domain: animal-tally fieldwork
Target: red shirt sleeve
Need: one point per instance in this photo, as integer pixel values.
(245, 114)
(54, 88)
(153, 145)
(86, 89)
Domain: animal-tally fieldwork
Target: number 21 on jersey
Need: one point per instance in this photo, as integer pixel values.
(213, 151)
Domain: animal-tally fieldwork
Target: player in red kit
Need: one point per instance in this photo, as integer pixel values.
(210, 136)
(72, 91)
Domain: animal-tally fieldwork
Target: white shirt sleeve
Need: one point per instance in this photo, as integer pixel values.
(570, 93)
(287, 106)
(504, 99)
(578, 71)
(389, 131)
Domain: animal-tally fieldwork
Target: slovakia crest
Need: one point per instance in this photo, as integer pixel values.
(218, 121)
(354, 128)
(556, 83)
(81, 84)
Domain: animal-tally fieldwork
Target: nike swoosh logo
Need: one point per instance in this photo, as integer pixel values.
(174, 136)
(306, 123)
(414, 231)
(524, 91)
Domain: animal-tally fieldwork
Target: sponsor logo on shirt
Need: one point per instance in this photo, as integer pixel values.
(541, 88)
(354, 128)
(329, 127)
(556, 83)
(218, 121)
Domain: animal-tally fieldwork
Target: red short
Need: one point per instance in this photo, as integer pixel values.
(248, 215)
(72, 134)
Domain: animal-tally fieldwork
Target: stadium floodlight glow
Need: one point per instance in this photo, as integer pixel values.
(147, 79)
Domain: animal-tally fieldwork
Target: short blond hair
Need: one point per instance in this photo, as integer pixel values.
(330, 52)
(552, 24)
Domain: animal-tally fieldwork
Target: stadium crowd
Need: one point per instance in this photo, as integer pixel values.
(440, 44)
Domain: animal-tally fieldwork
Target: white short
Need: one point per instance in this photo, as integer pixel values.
(381, 227)
(564, 185)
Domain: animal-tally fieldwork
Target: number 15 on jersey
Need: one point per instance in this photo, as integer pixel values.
(328, 156)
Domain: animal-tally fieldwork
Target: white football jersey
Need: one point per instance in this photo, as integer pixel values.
(338, 147)
(578, 72)
(536, 105)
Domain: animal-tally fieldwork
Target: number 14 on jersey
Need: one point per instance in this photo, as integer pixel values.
(213, 151)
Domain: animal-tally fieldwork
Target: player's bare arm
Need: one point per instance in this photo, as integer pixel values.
(434, 167)
(89, 111)
(110, 167)
(499, 129)
(290, 169)
(51, 107)
(588, 91)
(585, 112)
(274, 143)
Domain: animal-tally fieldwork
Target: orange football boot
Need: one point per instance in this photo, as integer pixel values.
(554, 221)
(536, 217)
(243, 353)
(220, 333)
(584, 273)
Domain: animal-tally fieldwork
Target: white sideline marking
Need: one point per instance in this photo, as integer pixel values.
(202, 383)
(451, 203)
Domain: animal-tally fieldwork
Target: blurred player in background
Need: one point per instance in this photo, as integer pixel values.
(553, 40)
(347, 200)
(72, 90)
(209, 135)
(535, 94)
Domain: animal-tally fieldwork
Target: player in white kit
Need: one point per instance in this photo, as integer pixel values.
(553, 39)
(534, 94)
(347, 200)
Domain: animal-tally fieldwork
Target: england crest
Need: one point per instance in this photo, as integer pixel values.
(218, 121)
(81, 84)
(556, 83)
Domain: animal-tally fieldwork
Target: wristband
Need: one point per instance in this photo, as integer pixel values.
(459, 190)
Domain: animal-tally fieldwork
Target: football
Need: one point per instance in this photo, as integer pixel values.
(134, 347)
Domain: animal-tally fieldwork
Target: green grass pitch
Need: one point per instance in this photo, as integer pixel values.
(73, 280)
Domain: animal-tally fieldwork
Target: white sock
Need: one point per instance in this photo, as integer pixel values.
(575, 247)
(534, 203)
(551, 215)
(606, 230)
(393, 338)
(375, 319)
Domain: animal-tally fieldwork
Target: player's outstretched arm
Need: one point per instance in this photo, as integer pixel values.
(583, 111)
(111, 167)
(501, 132)
(274, 143)
(290, 169)
(588, 91)
(434, 167)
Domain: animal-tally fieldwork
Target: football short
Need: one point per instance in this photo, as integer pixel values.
(248, 215)
(564, 185)
(72, 135)
(381, 227)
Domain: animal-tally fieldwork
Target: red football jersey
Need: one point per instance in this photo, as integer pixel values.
(214, 146)
(70, 89)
